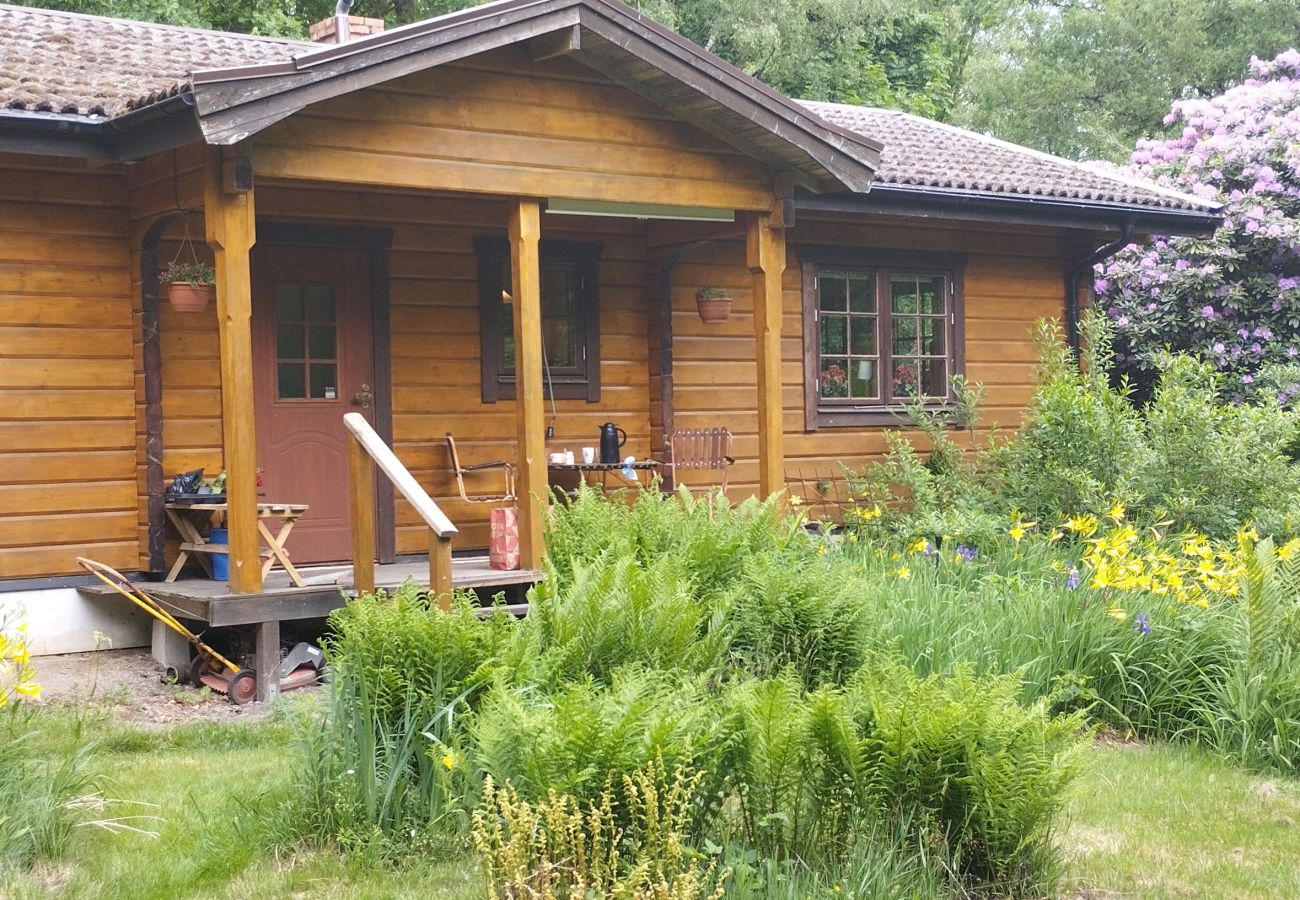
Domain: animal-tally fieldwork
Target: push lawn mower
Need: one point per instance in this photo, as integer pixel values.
(209, 668)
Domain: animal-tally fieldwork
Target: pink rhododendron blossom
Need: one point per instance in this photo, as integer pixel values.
(1233, 298)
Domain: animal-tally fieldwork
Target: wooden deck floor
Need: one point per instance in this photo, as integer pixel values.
(204, 600)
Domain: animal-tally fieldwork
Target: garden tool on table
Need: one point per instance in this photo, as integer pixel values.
(210, 668)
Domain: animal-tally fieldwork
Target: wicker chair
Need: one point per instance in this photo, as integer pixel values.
(701, 449)
(462, 471)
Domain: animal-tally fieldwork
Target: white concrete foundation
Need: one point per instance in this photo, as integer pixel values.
(62, 620)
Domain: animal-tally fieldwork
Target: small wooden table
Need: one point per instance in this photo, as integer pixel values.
(567, 477)
(188, 517)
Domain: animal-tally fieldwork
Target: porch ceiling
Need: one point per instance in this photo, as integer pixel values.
(631, 50)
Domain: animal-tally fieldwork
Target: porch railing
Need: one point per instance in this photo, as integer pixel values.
(367, 450)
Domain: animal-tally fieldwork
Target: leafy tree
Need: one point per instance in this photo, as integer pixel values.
(1086, 78)
(1234, 298)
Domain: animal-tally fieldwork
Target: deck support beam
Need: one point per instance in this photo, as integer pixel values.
(765, 255)
(525, 276)
(229, 220)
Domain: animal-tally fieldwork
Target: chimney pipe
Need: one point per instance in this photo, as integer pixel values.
(343, 27)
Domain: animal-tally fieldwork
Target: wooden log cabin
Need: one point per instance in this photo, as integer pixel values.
(493, 223)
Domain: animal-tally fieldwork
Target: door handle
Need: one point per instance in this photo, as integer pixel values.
(363, 397)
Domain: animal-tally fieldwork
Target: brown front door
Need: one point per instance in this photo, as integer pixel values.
(313, 361)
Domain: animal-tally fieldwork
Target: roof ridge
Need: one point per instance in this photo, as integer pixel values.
(161, 26)
(1121, 177)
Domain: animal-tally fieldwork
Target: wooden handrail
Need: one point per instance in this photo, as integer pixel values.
(367, 450)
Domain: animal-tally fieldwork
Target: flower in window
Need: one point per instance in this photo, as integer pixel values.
(835, 381)
(904, 381)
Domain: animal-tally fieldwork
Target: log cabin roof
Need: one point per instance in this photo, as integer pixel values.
(100, 67)
(920, 152)
(96, 69)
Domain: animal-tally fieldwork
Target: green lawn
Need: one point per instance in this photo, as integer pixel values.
(1147, 821)
(1160, 821)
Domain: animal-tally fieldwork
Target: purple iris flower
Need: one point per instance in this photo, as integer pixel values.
(1072, 580)
(1141, 625)
(967, 554)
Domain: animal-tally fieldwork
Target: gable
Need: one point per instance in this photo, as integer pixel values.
(502, 123)
(605, 35)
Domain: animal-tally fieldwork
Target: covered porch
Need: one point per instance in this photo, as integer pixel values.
(396, 250)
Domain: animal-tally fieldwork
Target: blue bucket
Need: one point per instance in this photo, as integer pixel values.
(220, 561)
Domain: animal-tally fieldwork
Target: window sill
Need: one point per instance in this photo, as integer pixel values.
(860, 418)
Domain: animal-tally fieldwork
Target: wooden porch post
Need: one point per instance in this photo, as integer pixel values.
(525, 232)
(230, 231)
(765, 254)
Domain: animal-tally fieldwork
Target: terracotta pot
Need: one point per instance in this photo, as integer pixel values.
(713, 310)
(186, 297)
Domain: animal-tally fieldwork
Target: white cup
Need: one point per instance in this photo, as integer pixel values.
(557, 458)
(588, 455)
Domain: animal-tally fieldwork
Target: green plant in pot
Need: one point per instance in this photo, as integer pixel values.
(189, 285)
(714, 305)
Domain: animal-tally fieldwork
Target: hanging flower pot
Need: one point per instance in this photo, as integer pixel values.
(714, 305)
(189, 286)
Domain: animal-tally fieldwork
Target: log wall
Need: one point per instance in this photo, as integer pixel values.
(67, 383)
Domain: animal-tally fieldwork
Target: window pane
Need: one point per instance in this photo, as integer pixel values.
(834, 377)
(561, 347)
(835, 335)
(288, 341)
(862, 378)
(903, 291)
(290, 383)
(932, 295)
(322, 379)
(862, 294)
(904, 336)
(932, 334)
(834, 292)
(934, 377)
(319, 303)
(321, 341)
(508, 349)
(288, 303)
(559, 287)
(905, 378)
(864, 336)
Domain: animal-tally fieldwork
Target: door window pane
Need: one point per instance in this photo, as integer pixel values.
(319, 303)
(324, 381)
(288, 303)
(321, 341)
(288, 340)
(289, 381)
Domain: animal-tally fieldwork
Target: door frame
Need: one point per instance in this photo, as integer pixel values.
(376, 242)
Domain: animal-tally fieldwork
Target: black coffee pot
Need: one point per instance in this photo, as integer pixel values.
(610, 442)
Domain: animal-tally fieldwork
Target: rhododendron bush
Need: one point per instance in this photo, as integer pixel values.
(1233, 298)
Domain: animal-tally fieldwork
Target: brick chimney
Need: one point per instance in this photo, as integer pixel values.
(341, 27)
